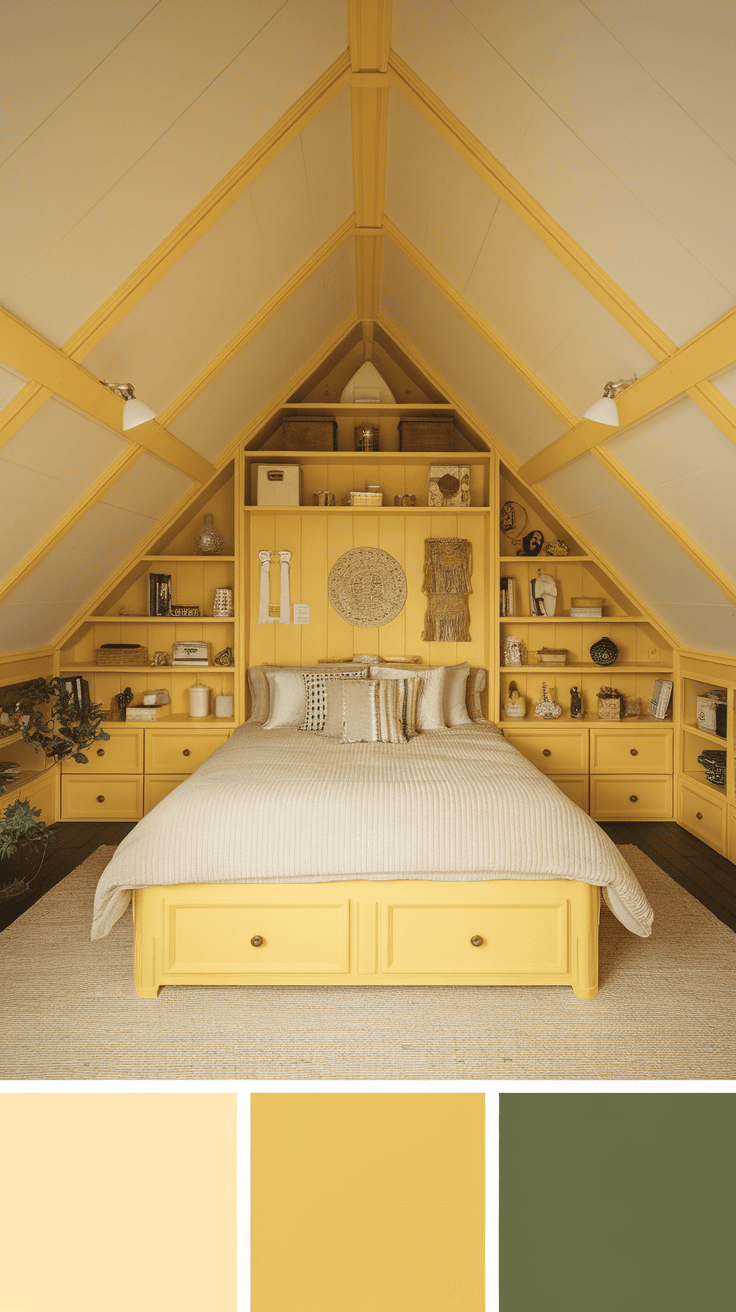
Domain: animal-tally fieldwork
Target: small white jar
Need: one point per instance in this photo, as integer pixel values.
(199, 701)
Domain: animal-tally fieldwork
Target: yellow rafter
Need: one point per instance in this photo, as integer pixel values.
(369, 30)
(45, 364)
(713, 349)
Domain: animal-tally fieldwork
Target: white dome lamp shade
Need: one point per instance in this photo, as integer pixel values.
(135, 412)
(605, 411)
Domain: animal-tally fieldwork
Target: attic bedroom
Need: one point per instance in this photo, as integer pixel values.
(368, 364)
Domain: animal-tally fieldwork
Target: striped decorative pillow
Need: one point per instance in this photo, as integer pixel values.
(316, 688)
(380, 711)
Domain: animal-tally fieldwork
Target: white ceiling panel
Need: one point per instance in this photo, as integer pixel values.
(60, 441)
(328, 159)
(663, 267)
(150, 487)
(54, 48)
(433, 196)
(32, 505)
(237, 265)
(271, 358)
(624, 116)
(478, 85)
(703, 627)
(25, 626)
(676, 441)
(11, 383)
(69, 270)
(497, 395)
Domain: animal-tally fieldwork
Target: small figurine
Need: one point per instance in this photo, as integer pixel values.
(545, 708)
(123, 700)
(161, 658)
(542, 594)
(514, 651)
(576, 704)
(515, 706)
(556, 547)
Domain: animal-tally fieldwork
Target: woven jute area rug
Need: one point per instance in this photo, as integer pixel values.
(666, 1010)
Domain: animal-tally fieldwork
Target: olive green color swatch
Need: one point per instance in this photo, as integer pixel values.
(617, 1200)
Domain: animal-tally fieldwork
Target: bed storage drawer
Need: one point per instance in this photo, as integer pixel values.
(553, 751)
(613, 797)
(648, 751)
(104, 797)
(476, 939)
(260, 937)
(123, 754)
(172, 752)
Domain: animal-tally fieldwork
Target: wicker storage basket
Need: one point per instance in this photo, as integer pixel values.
(427, 435)
(122, 656)
(306, 433)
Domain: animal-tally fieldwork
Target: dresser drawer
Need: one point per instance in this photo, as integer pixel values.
(172, 752)
(645, 798)
(123, 754)
(106, 797)
(706, 817)
(574, 786)
(554, 751)
(425, 940)
(158, 786)
(614, 751)
(303, 938)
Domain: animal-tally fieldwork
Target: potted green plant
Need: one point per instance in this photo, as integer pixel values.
(23, 843)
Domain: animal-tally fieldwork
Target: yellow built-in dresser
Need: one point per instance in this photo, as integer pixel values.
(706, 809)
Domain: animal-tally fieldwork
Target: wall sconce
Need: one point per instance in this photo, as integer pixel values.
(134, 411)
(605, 411)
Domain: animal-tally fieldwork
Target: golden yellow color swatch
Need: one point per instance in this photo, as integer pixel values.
(367, 1202)
(118, 1202)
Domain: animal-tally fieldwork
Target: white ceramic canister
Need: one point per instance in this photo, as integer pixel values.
(224, 707)
(199, 701)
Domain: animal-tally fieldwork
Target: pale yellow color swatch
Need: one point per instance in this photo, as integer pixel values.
(118, 1202)
(367, 1202)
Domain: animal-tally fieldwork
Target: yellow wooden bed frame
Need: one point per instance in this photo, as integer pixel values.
(501, 931)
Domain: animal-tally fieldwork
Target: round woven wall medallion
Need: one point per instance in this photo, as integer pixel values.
(367, 587)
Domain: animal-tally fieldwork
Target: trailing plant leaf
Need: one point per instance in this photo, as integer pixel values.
(22, 833)
(47, 716)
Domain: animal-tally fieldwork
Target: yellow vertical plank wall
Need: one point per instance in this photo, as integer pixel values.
(117, 1201)
(367, 1202)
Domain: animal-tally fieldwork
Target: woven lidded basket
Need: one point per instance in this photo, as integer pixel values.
(552, 655)
(122, 656)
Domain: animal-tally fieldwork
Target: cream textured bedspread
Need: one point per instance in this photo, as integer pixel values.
(280, 806)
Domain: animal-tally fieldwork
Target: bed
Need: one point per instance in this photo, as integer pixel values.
(289, 858)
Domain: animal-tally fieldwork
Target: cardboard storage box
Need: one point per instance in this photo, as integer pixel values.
(276, 485)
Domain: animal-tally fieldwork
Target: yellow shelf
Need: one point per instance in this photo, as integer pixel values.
(191, 559)
(698, 777)
(91, 668)
(368, 510)
(541, 560)
(532, 721)
(588, 667)
(573, 619)
(471, 457)
(160, 619)
(177, 721)
(705, 734)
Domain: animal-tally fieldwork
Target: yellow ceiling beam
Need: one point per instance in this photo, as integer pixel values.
(686, 370)
(479, 324)
(256, 322)
(491, 441)
(95, 493)
(528, 209)
(52, 370)
(369, 32)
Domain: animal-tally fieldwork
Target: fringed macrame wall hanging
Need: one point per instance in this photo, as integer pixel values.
(447, 569)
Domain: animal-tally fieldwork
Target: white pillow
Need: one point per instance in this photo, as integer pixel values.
(456, 680)
(258, 684)
(430, 713)
(287, 694)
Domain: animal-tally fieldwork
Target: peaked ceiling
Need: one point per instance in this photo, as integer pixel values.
(519, 199)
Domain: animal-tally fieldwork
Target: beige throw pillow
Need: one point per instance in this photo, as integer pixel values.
(431, 712)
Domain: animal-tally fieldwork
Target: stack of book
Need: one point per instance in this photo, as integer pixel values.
(508, 597)
(78, 690)
(661, 697)
(159, 594)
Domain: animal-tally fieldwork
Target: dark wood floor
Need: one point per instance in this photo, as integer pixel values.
(709, 877)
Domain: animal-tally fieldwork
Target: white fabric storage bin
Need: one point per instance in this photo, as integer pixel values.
(277, 485)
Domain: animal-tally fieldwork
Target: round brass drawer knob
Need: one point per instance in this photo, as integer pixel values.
(634, 751)
(698, 815)
(101, 798)
(256, 941)
(476, 940)
(186, 752)
(633, 798)
(100, 751)
(546, 752)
